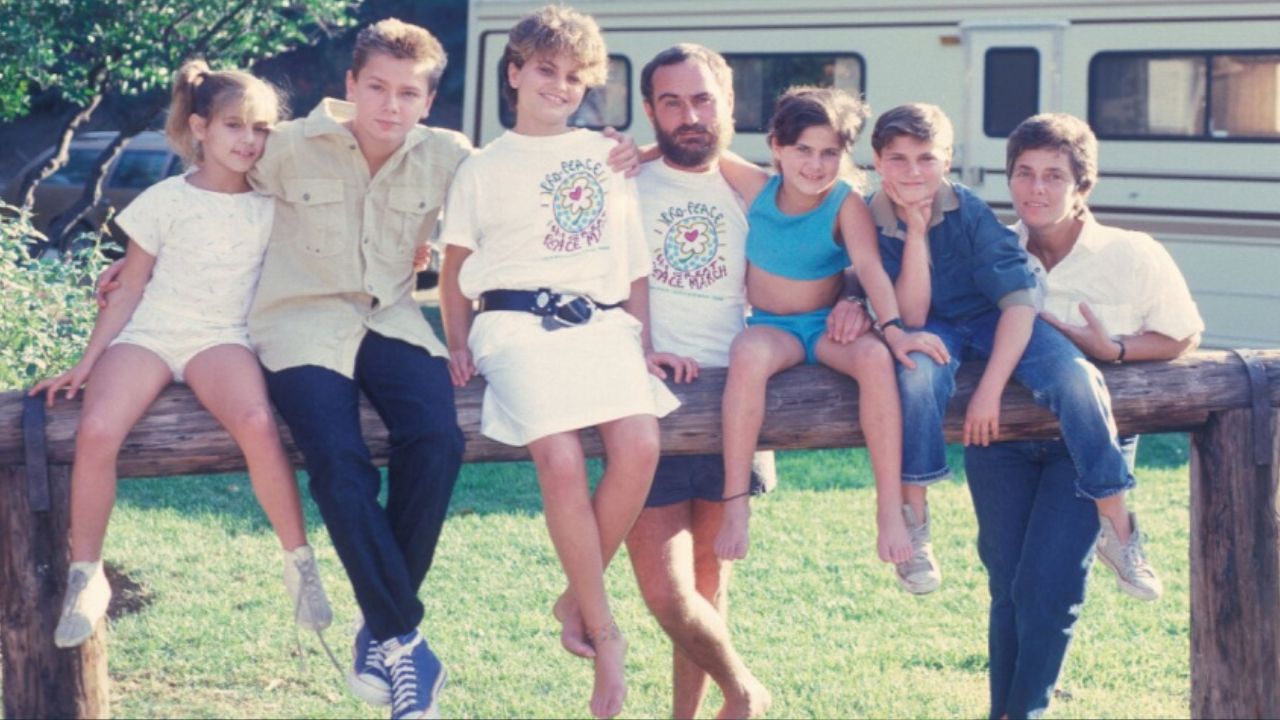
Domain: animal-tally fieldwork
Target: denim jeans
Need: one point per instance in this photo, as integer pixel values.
(386, 552)
(1035, 537)
(1059, 378)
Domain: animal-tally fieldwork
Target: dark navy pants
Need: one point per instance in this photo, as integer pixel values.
(1036, 537)
(386, 551)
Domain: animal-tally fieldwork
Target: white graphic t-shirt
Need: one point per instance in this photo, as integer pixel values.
(546, 212)
(208, 248)
(696, 230)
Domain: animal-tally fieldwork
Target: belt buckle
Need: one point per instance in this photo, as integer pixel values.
(570, 313)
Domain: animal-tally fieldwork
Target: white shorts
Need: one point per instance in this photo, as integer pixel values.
(176, 347)
(542, 382)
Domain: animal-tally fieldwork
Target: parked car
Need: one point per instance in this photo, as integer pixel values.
(146, 160)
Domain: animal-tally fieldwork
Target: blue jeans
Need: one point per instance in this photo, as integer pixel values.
(386, 552)
(1059, 378)
(1035, 537)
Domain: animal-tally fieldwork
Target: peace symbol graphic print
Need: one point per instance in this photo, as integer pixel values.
(576, 196)
(690, 257)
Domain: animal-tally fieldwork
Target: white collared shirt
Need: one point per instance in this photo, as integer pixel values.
(1128, 279)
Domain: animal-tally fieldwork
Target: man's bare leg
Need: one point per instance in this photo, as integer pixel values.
(711, 576)
(661, 548)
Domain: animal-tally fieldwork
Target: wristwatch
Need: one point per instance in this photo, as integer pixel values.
(892, 322)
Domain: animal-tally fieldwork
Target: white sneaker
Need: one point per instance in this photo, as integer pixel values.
(919, 575)
(83, 605)
(310, 604)
(1134, 574)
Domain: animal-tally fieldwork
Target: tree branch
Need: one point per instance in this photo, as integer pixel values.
(61, 229)
(27, 192)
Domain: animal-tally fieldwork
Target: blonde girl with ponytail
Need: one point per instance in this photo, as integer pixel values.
(195, 249)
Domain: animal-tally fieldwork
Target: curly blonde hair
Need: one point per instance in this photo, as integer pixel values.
(554, 30)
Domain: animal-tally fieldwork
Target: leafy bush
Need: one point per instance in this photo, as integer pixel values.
(48, 309)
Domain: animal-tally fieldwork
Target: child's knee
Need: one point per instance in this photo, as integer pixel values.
(257, 422)
(873, 356)
(749, 356)
(926, 379)
(98, 435)
(1070, 382)
(559, 461)
(637, 446)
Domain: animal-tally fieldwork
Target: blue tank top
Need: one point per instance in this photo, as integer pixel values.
(799, 247)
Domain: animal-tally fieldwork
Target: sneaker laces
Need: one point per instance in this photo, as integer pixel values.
(919, 561)
(1134, 557)
(311, 590)
(313, 594)
(404, 677)
(392, 658)
(302, 658)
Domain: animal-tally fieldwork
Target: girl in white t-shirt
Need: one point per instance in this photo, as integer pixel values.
(195, 249)
(549, 241)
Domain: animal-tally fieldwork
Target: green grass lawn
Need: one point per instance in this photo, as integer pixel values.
(815, 615)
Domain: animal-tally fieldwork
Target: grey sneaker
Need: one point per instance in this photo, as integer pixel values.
(83, 605)
(310, 605)
(919, 575)
(1134, 574)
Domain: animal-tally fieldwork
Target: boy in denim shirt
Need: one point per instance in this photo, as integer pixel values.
(962, 276)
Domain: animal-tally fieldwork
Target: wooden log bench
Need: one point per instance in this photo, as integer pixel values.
(1225, 399)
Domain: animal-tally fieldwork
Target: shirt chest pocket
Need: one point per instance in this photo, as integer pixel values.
(411, 213)
(321, 221)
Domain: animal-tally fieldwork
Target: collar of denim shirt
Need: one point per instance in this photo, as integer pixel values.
(886, 218)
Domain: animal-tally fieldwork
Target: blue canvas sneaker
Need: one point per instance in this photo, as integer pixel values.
(368, 678)
(416, 677)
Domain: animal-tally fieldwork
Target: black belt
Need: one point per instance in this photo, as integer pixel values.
(555, 309)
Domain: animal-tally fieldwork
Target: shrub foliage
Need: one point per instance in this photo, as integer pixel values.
(48, 309)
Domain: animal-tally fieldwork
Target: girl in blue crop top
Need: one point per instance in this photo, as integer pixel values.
(806, 226)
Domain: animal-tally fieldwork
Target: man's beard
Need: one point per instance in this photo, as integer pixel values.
(697, 149)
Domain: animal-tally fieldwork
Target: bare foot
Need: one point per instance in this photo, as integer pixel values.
(573, 633)
(610, 688)
(731, 541)
(893, 541)
(753, 702)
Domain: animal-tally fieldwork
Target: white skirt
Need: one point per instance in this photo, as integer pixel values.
(542, 382)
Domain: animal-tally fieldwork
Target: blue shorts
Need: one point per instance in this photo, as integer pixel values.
(681, 478)
(808, 328)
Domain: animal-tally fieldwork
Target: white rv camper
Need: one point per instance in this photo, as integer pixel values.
(1184, 96)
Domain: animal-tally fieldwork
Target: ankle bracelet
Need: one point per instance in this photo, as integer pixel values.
(609, 632)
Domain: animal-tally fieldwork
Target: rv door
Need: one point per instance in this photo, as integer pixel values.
(1013, 70)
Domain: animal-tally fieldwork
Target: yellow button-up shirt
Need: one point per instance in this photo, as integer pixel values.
(340, 259)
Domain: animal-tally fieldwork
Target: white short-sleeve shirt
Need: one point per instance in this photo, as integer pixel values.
(208, 248)
(546, 212)
(1128, 279)
(696, 230)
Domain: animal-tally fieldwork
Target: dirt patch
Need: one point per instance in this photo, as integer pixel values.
(127, 595)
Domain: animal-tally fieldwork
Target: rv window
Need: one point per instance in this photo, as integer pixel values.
(1205, 95)
(1245, 96)
(1011, 89)
(759, 78)
(606, 106)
